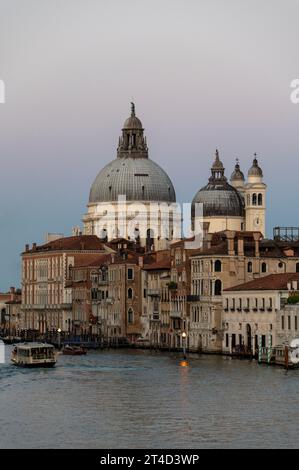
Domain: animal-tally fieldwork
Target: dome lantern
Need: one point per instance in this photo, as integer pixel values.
(237, 175)
(132, 173)
(255, 169)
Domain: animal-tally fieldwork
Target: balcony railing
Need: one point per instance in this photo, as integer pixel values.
(176, 314)
(155, 317)
(193, 298)
(153, 292)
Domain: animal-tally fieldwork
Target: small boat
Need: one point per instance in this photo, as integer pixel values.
(69, 350)
(33, 355)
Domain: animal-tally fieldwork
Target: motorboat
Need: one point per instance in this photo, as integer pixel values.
(70, 350)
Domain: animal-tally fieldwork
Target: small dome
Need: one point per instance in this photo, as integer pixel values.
(132, 122)
(255, 170)
(237, 174)
(219, 199)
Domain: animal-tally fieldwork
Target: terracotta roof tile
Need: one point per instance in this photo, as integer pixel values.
(162, 264)
(81, 242)
(271, 282)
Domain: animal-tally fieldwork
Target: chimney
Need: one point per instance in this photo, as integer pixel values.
(207, 241)
(230, 235)
(12, 293)
(256, 236)
(241, 246)
(289, 286)
(140, 261)
(27, 247)
(294, 285)
(34, 246)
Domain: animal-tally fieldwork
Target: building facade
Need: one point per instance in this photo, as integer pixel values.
(238, 205)
(46, 299)
(257, 313)
(228, 259)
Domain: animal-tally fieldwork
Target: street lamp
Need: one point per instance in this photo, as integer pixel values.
(59, 338)
(184, 336)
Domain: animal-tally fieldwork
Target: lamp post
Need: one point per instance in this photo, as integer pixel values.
(184, 336)
(59, 338)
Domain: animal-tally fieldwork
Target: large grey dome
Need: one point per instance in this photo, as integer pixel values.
(132, 173)
(140, 179)
(218, 197)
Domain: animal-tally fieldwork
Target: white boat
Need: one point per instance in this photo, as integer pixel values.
(33, 355)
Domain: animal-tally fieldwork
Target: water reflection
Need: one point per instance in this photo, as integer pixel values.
(139, 399)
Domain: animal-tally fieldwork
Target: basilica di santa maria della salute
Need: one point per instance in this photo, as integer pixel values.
(133, 197)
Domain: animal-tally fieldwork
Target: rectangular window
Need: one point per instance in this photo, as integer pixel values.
(289, 322)
(130, 274)
(282, 322)
(226, 340)
(296, 323)
(263, 341)
(144, 293)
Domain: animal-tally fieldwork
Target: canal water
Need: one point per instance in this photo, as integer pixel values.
(142, 399)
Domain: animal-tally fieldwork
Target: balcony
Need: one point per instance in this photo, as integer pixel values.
(193, 298)
(153, 292)
(176, 314)
(155, 317)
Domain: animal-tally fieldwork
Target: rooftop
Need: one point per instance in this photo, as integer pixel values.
(271, 282)
(77, 243)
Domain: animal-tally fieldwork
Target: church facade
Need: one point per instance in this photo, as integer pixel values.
(133, 197)
(239, 205)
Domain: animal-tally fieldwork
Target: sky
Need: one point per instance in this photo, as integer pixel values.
(204, 74)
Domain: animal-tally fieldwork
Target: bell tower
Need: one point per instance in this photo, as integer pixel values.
(255, 199)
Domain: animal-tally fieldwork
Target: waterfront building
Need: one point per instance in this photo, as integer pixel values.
(89, 284)
(228, 259)
(260, 312)
(180, 290)
(46, 301)
(125, 297)
(147, 190)
(238, 205)
(10, 309)
(156, 331)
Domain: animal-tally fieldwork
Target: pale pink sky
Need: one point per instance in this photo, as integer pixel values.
(203, 74)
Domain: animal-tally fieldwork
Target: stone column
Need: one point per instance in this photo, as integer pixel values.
(230, 343)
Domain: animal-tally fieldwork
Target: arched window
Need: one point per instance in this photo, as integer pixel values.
(260, 199)
(297, 267)
(130, 316)
(130, 293)
(218, 287)
(254, 199)
(249, 267)
(103, 235)
(281, 266)
(217, 266)
(264, 267)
